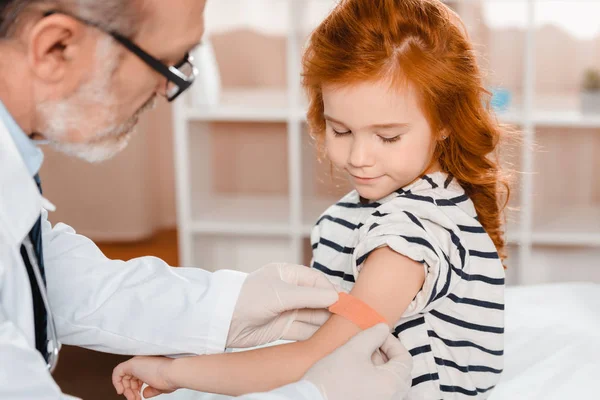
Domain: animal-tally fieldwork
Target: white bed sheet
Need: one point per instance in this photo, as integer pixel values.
(552, 345)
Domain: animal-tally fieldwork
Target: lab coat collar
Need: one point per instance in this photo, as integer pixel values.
(31, 154)
(20, 200)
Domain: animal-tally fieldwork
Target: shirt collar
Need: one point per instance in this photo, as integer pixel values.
(32, 156)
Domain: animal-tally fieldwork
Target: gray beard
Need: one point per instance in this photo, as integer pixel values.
(107, 142)
(92, 108)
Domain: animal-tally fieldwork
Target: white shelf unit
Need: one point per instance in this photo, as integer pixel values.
(243, 231)
(247, 105)
(563, 235)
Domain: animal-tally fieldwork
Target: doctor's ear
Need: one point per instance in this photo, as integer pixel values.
(54, 45)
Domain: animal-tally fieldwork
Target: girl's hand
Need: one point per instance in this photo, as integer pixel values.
(128, 377)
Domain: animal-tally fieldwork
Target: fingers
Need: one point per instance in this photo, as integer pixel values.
(378, 358)
(313, 317)
(305, 324)
(370, 340)
(151, 392)
(132, 388)
(129, 395)
(134, 384)
(136, 388)
(311, 278)
(300, 331)
(301, 275)
(400, 361)
(395, 350)
(301, 287)
(127, 385)
(292, 297)
(117, 379)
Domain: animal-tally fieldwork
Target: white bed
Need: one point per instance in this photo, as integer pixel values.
(552, 345)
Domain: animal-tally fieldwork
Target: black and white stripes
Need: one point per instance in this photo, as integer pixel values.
(454, 327)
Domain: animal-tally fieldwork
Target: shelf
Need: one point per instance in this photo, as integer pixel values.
(243, 215)
(552, 118)
(512, 117)
(551, 109)
(576, 226)
(566, 119)
(513, 236)
(247, 104)
(562, 110)
(244, 253)
(271, 105)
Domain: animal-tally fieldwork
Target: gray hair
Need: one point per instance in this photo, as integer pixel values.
(122, 16)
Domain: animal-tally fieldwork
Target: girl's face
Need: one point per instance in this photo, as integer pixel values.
(378, 136)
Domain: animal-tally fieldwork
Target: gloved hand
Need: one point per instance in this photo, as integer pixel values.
(349, 373)
(280, 302)
(379, 358)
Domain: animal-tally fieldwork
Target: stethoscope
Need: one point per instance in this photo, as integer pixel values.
(53, 343)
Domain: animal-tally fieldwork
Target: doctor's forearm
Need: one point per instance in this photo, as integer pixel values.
(252, 371)
(96, 313)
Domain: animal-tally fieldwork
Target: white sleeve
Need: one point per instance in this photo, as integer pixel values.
(423, 239)
(303, 390)
(23, 372)
(138, 307)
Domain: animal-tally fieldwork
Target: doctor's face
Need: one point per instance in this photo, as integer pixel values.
(96, 119)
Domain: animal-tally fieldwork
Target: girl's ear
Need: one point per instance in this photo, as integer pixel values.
(444, 134)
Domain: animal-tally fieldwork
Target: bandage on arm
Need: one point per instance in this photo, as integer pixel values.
(356, 311)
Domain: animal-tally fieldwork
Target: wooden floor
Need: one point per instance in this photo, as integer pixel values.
(85, 373)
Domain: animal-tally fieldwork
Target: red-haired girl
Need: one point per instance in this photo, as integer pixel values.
(397, 103)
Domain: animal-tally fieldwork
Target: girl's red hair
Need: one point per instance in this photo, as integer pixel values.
(423, 43)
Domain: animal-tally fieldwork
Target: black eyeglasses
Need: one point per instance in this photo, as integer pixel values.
(179, 76)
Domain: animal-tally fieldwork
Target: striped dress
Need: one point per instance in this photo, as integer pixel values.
(454, 326)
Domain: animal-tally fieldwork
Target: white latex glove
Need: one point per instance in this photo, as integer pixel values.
(280, 302)
(349, 373)
(379, 358)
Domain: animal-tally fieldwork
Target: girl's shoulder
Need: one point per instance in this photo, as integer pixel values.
(436, 194)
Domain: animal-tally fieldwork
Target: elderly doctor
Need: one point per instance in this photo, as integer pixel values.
(77, 74)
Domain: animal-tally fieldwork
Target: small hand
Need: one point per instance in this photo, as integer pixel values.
(129, 376)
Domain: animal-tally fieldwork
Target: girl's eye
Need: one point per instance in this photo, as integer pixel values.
(390, 140)
(338, 133)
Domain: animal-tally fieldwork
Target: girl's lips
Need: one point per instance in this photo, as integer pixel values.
(362, 179)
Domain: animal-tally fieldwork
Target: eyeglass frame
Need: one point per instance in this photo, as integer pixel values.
(171, 73)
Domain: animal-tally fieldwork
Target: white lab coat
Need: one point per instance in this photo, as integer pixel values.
(138, 307)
